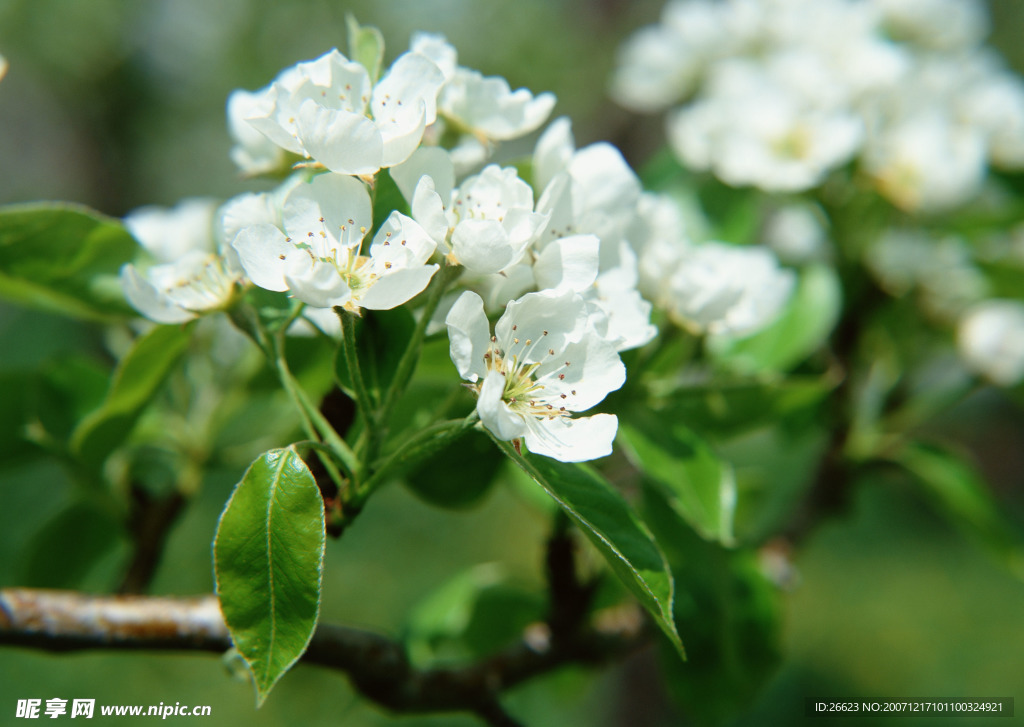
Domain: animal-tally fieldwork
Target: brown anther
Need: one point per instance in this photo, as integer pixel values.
(551, 352)
(309, 234)
(280, 257)
(563, 396)
(514, 327)
(387, 266)
(573, 392)
(561, 377)
(545, 333)
(550, 406)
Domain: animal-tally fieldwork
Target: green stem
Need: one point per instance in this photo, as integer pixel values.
(316, 425)
(417, 447)
(444, 278)
(351, 353)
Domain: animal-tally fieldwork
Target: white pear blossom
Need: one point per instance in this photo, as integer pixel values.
(254, 153)
(329, 111)
(485, 225)
(315, 252)
(724, 289)
(484, 107)
(191, 275)
(991, 340)
(544, 363)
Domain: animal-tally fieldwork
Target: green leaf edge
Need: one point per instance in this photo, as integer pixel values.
(664, 619)
(261, 695)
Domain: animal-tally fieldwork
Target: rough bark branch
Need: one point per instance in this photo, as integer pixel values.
(62, 621)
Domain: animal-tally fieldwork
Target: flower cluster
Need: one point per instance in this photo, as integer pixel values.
(777, 93)
(558, 254)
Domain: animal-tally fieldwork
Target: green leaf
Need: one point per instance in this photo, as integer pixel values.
(963, 497)
(62, 553)
(365, 46)
(135, 383)
(64, 259)
(459, 475)
(608, 521)
(387, 198)
(697, 484)
(729, 614)
(725, 411)
(801, 329)
(474, 614)
(381, 338)
(268, 559)
(15, 415)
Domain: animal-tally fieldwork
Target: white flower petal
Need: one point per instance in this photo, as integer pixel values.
(397, 287)
(428, 210)
(343, 141)
(586, 371)
(482, 246)
(548, 320)
(150, 302)
(316, 282)
(569, 263)
(412, 80)
(402, 242)
(427, 161)
(573, 440)
(469, 335)
(336, 205)
(264, 252)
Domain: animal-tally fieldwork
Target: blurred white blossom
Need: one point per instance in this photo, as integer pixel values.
(191, 275)
(779, 93)
(991, 340)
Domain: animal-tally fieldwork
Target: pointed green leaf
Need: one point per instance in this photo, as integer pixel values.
(136, 381)
(64, 259)
(965, 499)
(609, 522)
(366, 46)
(697, 484)
(268, 557)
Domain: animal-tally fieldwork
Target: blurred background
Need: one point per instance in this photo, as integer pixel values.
(118, 104)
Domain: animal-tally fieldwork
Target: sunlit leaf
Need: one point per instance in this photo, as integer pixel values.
(268, 557)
